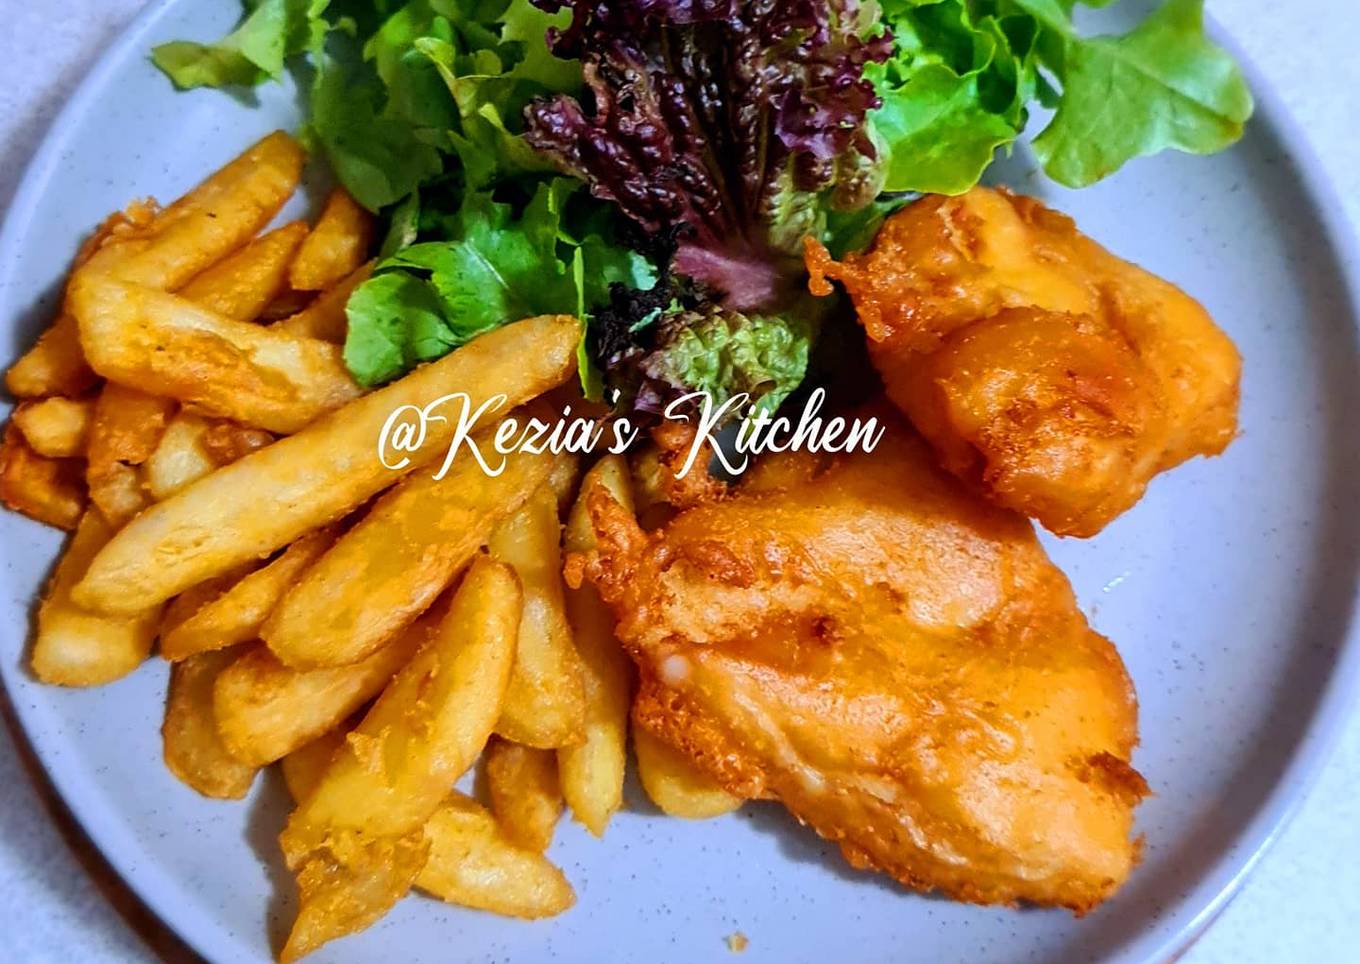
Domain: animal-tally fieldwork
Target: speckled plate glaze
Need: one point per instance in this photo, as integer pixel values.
(1230, 591)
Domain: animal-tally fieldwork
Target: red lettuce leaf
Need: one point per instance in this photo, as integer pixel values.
(725, 116)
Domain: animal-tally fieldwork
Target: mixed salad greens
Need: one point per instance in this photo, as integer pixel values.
(654, 165)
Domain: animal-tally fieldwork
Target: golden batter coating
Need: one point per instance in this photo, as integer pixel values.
(1048, 373)
(895, 660)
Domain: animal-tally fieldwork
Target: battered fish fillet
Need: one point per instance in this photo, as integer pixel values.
(895, 660)
(1050, 374)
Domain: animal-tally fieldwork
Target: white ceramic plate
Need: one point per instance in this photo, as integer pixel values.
(1230, 591)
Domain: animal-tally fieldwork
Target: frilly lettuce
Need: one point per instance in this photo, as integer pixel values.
(722, 131)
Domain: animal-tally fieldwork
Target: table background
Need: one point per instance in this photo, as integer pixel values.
(1303, 901)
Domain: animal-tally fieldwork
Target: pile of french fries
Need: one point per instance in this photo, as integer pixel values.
(375, 632)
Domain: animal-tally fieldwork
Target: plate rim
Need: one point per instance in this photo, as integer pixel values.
(1189, 915)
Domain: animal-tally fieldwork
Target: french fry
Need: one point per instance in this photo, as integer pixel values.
(126, 428)
(314, 477)
(243, 285)
(389, 568)
(188, 603)
(546, 704)
(592, 773)
(675, 785)
(209, 223)
(55, 365)
(526, 796)
(474, 859)
(74, 647)
(180, 457)
(55, 428)
(193, 446)
(473, 863)
(266, 710)
(356, 842)
(167, 345)
(305, 766)
(192, 748)
(325, 317)
(337, 245)
(236, 615)
(286, 305)
(225, 442)
(51, 491)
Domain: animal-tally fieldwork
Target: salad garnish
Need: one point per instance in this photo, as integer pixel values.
(654, 165)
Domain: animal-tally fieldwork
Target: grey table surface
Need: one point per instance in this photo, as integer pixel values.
(1303, 901)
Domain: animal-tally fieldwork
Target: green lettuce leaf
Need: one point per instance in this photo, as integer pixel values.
(965, 73)
(497, 266)
(378, 157)
(726, 353)
(1162, 86)
(272, 31)
(954, 91)
(396, 322)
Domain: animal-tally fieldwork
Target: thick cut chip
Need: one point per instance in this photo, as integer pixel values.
(337, 245)
(125, 431)
(75, 647)
(473, 863)
(266, 710)
(357, 841)
(245, 284)
(546, 704)
(325, 318)
(236, 615)
(316, 476)
(51, 491)
(210, 222)
(393, 564)
(675, 784)
(194, 751)
(55, 428)
(592, 773)
(165, 344)
(526, 796)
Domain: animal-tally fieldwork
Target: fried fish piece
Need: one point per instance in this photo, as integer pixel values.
(1050, 374)
(895, 660)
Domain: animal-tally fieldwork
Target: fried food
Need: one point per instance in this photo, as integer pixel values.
(473, 863)
(56, 364)
(1048, 373)
(236, 615)
(545, 706)
(243, 285)
(392, 565)
(314, 477)
(305, 766)
(337, 245)
(592, 771)
(526, 795)
(180, 457)
(55, 428)
(897, 662)
(325, 318)
(357, 842)
(75, 647)
(674, 783)
(265, 710)
(210, 222)
(51, 491)
(162, 343)
(475, 860)
(193, 749)
(125, 430)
